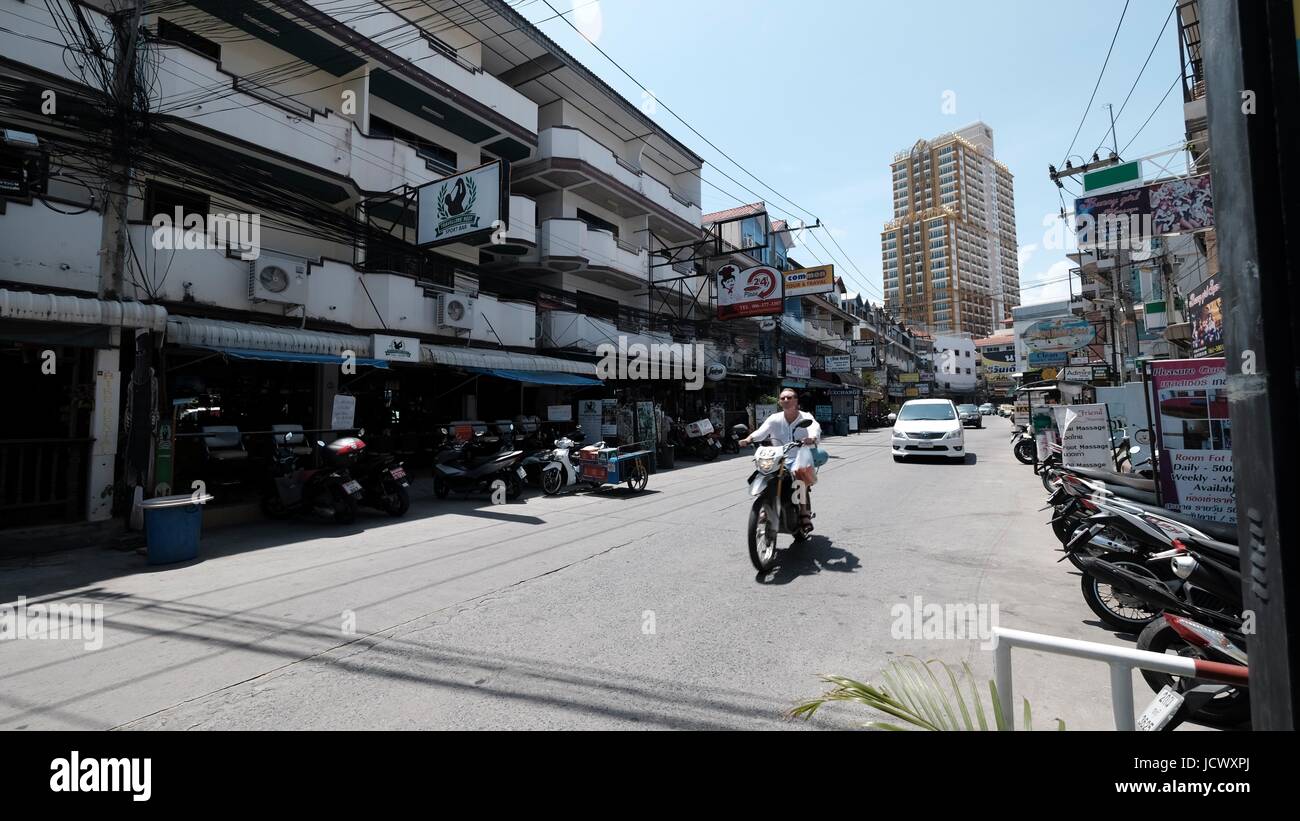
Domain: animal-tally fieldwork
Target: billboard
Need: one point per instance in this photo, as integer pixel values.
(864, 354)
(911, 376)
(1158, 208)
(838, 364)
(800, 366)
(750, 292)
(1205, 312)
(1195, 438)
(463, 207)
(804, 281)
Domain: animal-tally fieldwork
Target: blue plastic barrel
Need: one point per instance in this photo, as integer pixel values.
(172, 525)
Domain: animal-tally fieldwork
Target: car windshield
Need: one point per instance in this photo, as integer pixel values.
(967, 408)
(925, 413)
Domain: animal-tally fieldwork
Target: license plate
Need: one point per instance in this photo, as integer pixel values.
(398, 473)
(1160, 710)
(925, 444)
(352, 487)
(523, 474)
(716, 443)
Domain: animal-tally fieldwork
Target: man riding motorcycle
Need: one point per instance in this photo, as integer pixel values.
(781, 427)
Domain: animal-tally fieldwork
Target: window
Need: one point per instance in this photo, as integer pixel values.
(167, 30)
(160, 198)
(437, 158)
(596, 222)
(968, 371)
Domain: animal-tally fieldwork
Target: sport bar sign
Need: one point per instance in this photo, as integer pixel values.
(465, 207)
(753, 291)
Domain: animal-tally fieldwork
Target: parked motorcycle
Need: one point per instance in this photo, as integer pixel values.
(731, 442)
(475, 466)
(774, 510)
(1023, 445)
(328, 493)
(381, 476)
(693, 440)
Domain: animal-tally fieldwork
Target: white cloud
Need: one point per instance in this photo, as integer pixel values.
(1047, 286)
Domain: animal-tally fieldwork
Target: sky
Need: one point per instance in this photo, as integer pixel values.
(815, 98)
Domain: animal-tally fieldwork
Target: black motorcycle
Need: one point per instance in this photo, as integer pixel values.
(476, 466)
(328, 493)
(382, 477)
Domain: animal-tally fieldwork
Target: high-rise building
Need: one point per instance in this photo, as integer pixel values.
(950, 255)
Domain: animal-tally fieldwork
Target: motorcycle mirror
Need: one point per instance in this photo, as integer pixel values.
(320, 444)
(804, 424)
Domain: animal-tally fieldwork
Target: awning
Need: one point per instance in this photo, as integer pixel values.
(538, 377)
(496, 359)
(220, 334)
(77, 310)
(290, 356)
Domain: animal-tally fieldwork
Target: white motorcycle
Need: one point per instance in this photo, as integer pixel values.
(774, 510)
(560, 472)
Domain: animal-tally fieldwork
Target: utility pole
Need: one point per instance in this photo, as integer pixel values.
(112, 254)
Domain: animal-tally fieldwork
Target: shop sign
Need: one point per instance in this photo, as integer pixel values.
(395, 348)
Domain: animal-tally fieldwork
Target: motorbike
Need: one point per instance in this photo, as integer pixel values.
(475, 466)
(731, 442)
(774, 510)
(1023, 445)
(381, 476)
(328, 493)
(694, 440)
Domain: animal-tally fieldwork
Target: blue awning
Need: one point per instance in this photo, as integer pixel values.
(292, 356)
(538, 377)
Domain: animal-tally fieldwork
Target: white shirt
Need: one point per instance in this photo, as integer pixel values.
(783, 431)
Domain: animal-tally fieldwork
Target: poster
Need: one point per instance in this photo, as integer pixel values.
(645, 425)
(798, 366)
(590, 415)
(345, 409)
(1205, 311)
(609, 418)
(754, 291)
(824, 413)
(863, 354)
(837, 364)
(1134, 215)
(1085, 436)
(1195, 436)
(559, 413)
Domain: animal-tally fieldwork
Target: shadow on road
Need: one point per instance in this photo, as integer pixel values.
(810, 558)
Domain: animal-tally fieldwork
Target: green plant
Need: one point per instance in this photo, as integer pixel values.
(767, 399)
(914, 694)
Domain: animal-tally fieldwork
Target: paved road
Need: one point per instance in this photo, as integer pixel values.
(585, 611)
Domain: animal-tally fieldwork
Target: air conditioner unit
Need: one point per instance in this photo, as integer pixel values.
(455, 311)
(277, 278)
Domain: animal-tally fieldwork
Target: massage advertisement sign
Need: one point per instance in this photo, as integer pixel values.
(1195, 436)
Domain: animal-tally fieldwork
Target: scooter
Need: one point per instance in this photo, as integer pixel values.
(381, 476)
(458, 468)
(774, 510)
(328, 493)
(731, 444)
(560, 472)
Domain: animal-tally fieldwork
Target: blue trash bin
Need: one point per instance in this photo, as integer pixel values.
(172, 525)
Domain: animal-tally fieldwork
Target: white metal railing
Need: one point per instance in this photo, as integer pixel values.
(1121, 660)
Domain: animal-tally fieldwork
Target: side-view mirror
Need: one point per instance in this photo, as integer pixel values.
(804, 424)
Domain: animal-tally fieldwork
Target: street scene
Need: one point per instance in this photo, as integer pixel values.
(477, 365)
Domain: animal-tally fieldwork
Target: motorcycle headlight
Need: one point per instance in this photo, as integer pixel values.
(766, 463)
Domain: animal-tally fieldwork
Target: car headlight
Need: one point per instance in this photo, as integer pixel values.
(766, 463)
(899, 434)
(954, 434)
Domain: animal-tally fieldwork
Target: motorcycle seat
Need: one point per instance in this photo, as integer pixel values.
(1221, 533)
(1112, 478)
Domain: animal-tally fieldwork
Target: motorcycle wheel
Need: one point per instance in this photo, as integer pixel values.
(762, 536)
(1025, 451)
(440, 487)
(552, 482)
(708, 453)
(345, 510)
(1104, 601)
(1050, 482)
(273, 508)
(397, 501)
(1231, 706)
(638, 477)
(1064, 529)
(514, 487)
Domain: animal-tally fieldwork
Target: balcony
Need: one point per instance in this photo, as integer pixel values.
(569, 159)
(571, 245)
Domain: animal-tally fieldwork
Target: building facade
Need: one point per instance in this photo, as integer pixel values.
(949, 254)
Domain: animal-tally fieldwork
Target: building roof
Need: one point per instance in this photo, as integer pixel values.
(734, 213)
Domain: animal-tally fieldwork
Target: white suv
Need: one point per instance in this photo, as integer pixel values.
(928, 427)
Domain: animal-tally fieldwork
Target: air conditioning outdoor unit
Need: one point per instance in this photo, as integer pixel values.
(455, 311)
(277, 278)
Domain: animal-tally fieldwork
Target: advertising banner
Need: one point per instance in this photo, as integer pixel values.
(804, 281)
(590, 415)
(454, 208)
(1195, 436)
(752, 292)
(864, 354)
(1205, 312)
(798, 366)
(911, 376)
(838, 364)
(1085, 436)
(1134, 215)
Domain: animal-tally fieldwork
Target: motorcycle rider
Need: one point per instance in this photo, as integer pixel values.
(781, 426)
